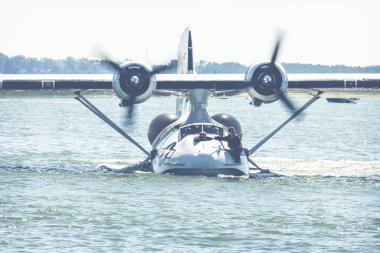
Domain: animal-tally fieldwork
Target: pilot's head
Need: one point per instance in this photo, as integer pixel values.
(215, 130)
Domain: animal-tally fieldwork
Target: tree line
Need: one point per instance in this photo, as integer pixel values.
(28, 65)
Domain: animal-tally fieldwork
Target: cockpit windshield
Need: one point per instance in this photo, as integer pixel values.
(212, 129)
(196, 129)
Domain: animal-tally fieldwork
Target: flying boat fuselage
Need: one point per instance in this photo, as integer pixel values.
(179, 151)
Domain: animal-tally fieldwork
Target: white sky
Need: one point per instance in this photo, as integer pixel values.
(316, 31)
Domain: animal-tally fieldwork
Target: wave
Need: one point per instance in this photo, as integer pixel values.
(277, 167)
(48, 169)
(338, 168)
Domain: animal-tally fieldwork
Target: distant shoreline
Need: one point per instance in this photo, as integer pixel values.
(27, 65)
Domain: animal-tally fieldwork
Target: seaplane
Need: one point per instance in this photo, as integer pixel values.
(175, 148)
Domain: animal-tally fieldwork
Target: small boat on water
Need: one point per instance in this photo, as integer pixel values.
(342, 100)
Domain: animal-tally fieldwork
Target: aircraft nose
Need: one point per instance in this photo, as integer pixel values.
(204, 161)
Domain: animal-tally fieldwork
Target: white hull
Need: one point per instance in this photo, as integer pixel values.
(208, 158)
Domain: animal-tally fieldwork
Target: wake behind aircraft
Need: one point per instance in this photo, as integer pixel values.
(176, 147)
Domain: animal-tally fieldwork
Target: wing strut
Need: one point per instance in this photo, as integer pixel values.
(101, 115)
(298, 112)
(257, 166)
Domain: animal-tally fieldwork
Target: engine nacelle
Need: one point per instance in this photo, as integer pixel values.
(265, 81)
(135, 81)
(229, 121)
(159, 123)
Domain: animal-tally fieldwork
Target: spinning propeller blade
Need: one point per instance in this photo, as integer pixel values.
(162, 68)
(285, 100)
(106, 59)
(294, 115)
(276, 48)
(130, 107)
(158, 69)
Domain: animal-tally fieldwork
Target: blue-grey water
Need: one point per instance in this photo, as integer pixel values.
(56, 197)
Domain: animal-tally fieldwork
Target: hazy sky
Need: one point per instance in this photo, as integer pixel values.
(316, 31)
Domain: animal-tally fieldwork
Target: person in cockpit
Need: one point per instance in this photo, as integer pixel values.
(215, 130)
(234, 143)
(185, 132)
(202, 137)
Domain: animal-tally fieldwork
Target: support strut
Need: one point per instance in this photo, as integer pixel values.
(298, 112)
(102, 116)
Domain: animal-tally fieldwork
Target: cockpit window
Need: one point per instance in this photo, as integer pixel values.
(185, 131)
(196, 129)
(212, 129)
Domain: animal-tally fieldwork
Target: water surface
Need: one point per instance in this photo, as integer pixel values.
(55, 196)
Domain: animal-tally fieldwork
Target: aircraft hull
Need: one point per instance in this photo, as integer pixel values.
(206, 158)
(209, 172)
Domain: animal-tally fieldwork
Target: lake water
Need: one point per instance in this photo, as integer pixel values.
(55, 195)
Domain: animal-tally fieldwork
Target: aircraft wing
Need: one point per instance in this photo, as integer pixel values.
(228, 82)
(55, 81)
(181, 82)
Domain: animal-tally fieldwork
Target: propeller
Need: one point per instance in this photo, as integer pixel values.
(162, 68)
(130, 107)
(285, 100)
(134, 80)
(156, 70)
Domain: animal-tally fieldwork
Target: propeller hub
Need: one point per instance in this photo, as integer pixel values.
(135, 80)
(267, 80)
